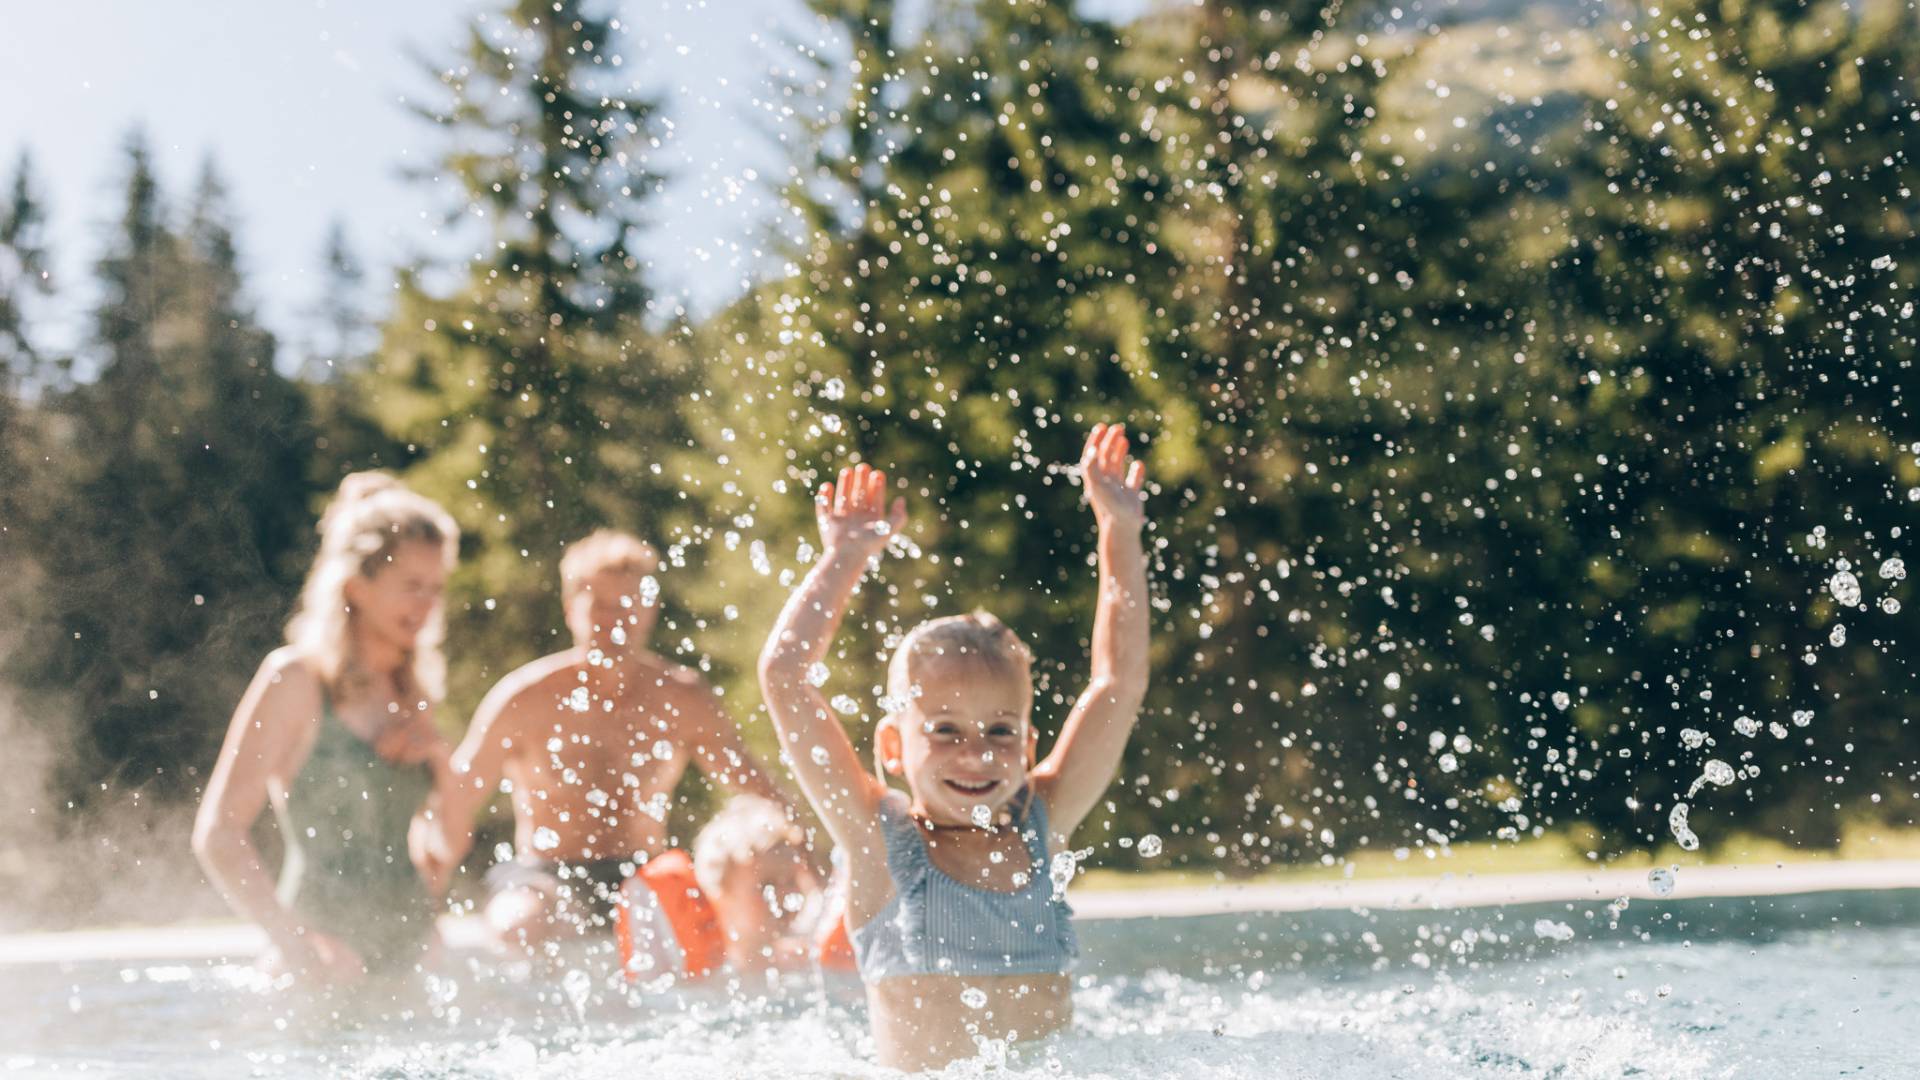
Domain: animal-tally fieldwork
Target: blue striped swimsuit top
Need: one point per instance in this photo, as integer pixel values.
(936, 925)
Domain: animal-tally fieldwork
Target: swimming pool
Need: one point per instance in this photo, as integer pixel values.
(1785, 986)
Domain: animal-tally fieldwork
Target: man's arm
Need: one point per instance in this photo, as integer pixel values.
(715, 743)
(492, 738)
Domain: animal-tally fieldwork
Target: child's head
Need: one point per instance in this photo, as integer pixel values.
(608, 591)
(751, 862)
(958, 727)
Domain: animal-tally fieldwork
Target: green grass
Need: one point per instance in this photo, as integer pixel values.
(1567, 850)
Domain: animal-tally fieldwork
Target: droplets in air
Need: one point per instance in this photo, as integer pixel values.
(1802, 717)
(1694, 738)
(1715, 772)
(578, 986)
(1548, 930)
(1662, 880)
(1149, 846)
(1894, 569)
(649, 590)
(1562, 699)
(834, 390)
(982, 815)
(1845, 588)
(545, 839)
(1746, 725)
(662, 750)
(973, 998)
(844, 705)
(577, 700)
(1682, 834)
(618, 635)
(820, 755)
(817, 674)
(1837, 636)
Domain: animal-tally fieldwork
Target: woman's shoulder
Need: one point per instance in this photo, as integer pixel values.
(291, 669)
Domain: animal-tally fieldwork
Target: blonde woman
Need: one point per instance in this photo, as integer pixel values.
(335, 732)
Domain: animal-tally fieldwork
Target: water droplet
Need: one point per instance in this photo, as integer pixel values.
(545, 839)
(817, 674)
(1747, 725)
(662, 750)
(982, 815)
(834, 390)
(618, 635)
(1802, 717)
(1662, 880)
(1682, 835)
(1889, 605)
(973, 998)
(1562, 699)
(1837, 636)
(577, 701)
(845, 705)
(1845, 588)
(1549, 930)
(820, 755)
(1149, 846)
(1894, 570)
(1693, 738)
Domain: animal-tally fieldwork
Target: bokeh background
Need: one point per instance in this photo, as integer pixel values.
(1523, 386)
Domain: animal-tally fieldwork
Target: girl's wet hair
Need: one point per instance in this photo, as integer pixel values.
(974, 643)
(371, 516)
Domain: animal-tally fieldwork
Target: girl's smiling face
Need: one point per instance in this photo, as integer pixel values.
(964, 743)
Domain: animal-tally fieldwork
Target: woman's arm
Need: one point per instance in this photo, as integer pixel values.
(854, 526)
(267, 737)
(1088, 752)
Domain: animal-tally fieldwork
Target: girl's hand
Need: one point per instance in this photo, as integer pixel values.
(853, 513)
(1114, 481)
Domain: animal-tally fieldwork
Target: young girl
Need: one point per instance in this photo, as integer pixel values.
(335, 733)
(960, 933)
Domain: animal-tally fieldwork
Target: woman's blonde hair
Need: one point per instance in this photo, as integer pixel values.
(370, 517)
(977, 642)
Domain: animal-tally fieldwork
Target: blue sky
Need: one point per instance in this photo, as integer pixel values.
(300, 105)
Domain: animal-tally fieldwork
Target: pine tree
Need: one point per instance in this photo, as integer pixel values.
(538, 398)
(337, 342)
(1745, 278)
(180, 482)
(24, 278)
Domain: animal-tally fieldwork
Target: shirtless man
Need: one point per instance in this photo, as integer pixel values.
(591, 742)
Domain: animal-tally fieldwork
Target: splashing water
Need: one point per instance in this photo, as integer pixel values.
(1677, 823)
(1715, 772)
(1845, 588)
(1549, 930)
(1662, 880)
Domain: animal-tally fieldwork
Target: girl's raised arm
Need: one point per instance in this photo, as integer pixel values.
(1088, 752)
(855, 524)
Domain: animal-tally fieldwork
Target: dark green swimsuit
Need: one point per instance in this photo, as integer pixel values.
(347, 872)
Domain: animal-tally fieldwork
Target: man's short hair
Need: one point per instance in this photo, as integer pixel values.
(605, 549)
